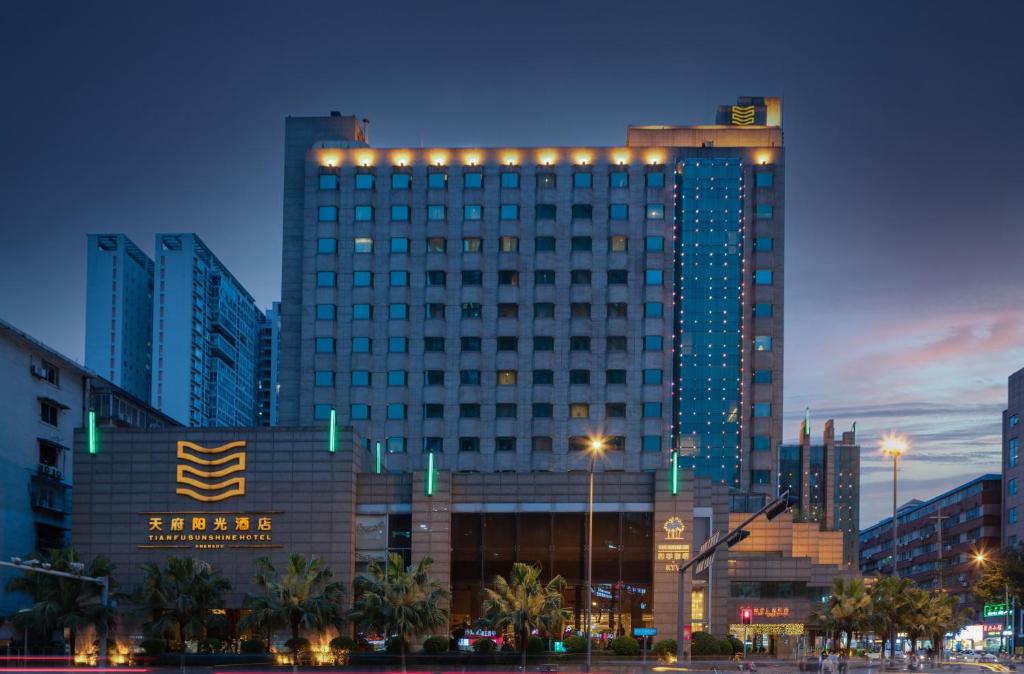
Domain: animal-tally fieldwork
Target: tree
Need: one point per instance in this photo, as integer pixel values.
(399, 601)
(939, 616)
(59, 603)
(1002, 574)
(891, 607)
(180, 598)
(847, 609)
(302, 596)
(522, 603)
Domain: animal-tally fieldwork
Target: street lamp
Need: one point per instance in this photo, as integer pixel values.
(980, 558)
(895, 446)
(596, 446)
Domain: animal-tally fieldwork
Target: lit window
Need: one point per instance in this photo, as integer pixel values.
(399, 245)
(326, 246)
(327, 214)
(326, 279)
(471, 244)
(363, 213)
(398, 344)
(399, 213)
(398, 312)
(618, 244)
(323, 378)
(763, 277)
(652, 410)
(655, 211)
(328, 181)
(765, 179)
(396, 411)
(509, 212)
(764, 212)
(359, 412)
(507, 377)
(399, 278)
(437, 212)
(472, 212)
(579, 411)
(509, 180)
(437, 181)
(361, 378)
(326, 312)
(437, 244)
(363, 245)
(762, 409)
(508, 244)
(618, 179)
(655, 180)
(325, 345)
(473, 181)
(362, 345)
(401, 181)
(365, 181)
(362, 312)
(762, 343)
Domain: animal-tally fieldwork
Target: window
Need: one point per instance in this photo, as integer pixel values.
(365, 181)
(652, 410)
(1011, 486)
(1011, 515)
(362, 245)
(544, 310)
(359, 412)
(1013, 451)
(325, 345)
(469, 411)
(579, 343)
(437, 244)
(401, 181)
(653, 342)
(433, 411)
(542, 410)
(433, 310)
(580, 309)
(433, 445)
(616, 343)
(650, 443)
(48, 413)
(654, 244)
(437, 212)
(508, 277)
(541, 443)
(654, 277)
(545, 212)
(617, 309)
(360, 345)
(399, 278)
(328, 181)
(508, 344)
(433, 344)
(508, 244)
(618, 212)
(582, 212)
(618, 179)
(471, 310)
(398, 344)
(433, 378)
(435, 277)
(399, 213)
(469, 377)
(399, 244)
(760, 477)
(504, 444)
(762, 376)
(543, 377)
(509, 180)
(618, 244)
(472, 212)
(325, 312)
(655, 180)
(362, 279)
(364, 213)
(763, 277)
(507, 377)
(579, 411)
(326, 246)
(579, 377)
(396, 411)
(472, 277)
(395, 445)
(763, 244)
(470, 343)
(618, 277)
(583, 180)
(327, 214)
(652, 377)
(580, 277)
(762, 443)
(505, 411)
(762, 343)
(508, 310)
(1014, 420)
(326, 279)
(469, 444)
(323, 378)
(762, 310)
(762, 410)
(437, 181)
(471, 244)
(544, 244)
(765, 179)
(473, 181)
(764, 212)
(581, 244)
(321, 411)
(359, 378)
(546, 181)
(508, 212)
(615, 410)
(398, 312)
(655, 211)
(653, 309)
(544, 277)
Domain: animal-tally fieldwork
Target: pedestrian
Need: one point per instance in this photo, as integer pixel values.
(827, 663)
(821, 661)
(833, 661)
(844, 661)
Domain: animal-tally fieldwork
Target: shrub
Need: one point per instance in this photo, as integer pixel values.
(210, 645)
(724, 647)
(251, 646)
(435, 644)
(395, 645)
(536, 645)
(575, 644)
(703, 643)
(154, 646)
(483, 646)
(737, 645)
(665, 648)
(343, 643)
(506, 647)
(300, 645)
(625, 646)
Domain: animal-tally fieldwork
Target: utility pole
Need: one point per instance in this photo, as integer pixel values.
(938, 517)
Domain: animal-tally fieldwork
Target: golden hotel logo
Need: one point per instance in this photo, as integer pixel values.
(201, 471)
(742, 115)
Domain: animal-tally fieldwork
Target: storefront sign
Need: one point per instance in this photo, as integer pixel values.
(645, 631)
(995, 609)
(771, 611)
(673, 553)
(210, 530)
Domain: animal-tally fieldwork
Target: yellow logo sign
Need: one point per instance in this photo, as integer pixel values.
(204, 479)
(673, 529)
(742, 115)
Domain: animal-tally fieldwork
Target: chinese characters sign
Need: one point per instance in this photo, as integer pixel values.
(672, 553)
(210, 531)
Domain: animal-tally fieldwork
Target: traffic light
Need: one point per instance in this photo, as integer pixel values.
(736, 537)
(746, 615)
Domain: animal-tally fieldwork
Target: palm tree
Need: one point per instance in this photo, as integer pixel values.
(60, 603)
(399, 601)
(301, 596)
(522, 603)
(891, 607)
(846, 610)
(940, 615)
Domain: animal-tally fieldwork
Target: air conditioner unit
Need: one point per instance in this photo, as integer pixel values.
(37, 371)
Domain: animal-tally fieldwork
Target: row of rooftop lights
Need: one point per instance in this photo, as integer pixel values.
(401, 158)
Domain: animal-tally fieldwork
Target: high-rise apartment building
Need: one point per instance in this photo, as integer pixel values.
(119, 313)
(497, 306)
(270, 340)
(206, 326)
(1013, 472)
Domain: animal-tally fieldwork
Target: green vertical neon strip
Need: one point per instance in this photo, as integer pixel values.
(93, 439)
(332, 432)
(673, 481)
(378, 459)
(428, 479)
(807, 422)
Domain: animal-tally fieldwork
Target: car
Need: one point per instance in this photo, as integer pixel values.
(987, 657)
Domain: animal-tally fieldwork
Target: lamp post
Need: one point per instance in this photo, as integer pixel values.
(894, 446)
(596, 447)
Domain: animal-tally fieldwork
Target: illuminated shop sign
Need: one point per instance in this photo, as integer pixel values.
(671, 553)
(201, 470)
(771, 611)
(210, 530)
(994, 610)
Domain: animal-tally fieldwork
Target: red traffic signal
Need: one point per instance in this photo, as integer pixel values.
(746, 615)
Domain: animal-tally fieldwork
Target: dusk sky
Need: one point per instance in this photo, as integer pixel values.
(904, 236)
